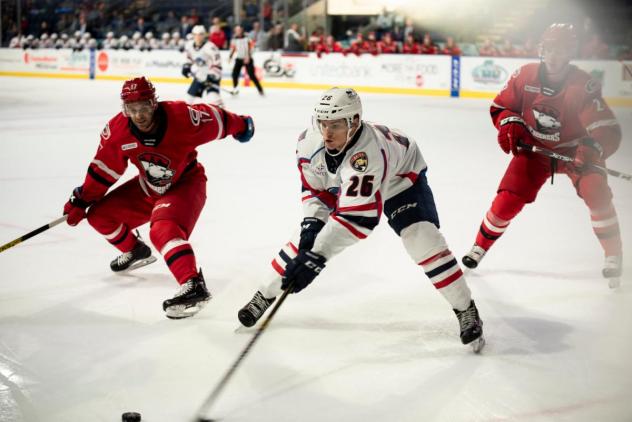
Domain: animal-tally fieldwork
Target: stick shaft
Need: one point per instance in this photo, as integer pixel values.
(32, 233)
(212, 397)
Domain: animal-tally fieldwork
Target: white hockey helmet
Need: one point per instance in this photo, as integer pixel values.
(198, 29)
(338, 103)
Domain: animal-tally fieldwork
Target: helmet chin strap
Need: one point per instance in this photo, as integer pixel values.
(350, 133)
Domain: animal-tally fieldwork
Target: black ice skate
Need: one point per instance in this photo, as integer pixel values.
(612, 270)
(471, 327)
(473, 257)
(136, 258)
(190, 299)
(250, 314)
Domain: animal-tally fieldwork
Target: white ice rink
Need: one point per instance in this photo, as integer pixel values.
(370, 340)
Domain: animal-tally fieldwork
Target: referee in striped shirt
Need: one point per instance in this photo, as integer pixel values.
(240, 47)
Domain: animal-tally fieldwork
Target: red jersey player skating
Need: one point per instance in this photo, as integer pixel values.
(159, 138)
(554, 105)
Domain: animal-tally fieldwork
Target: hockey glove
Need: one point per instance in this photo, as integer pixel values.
(588, 152)
(249, 132)
(186, 70)
(75, 208)
(310, 227)
(302, 270)
(511, 131)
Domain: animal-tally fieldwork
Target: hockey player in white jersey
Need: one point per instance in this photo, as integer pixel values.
(204, 65)
(352, 171)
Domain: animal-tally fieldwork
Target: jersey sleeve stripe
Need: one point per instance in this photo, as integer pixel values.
(601, 123)
(367, 222)
(349, 227)
(105, 169)
(96, 176)
(362, 207)
(412, 176)
(385, 165)
(220, 123)
(279, 269)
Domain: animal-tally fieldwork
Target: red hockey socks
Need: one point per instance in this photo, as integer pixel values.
(606, 226)
(505, 207)
(171, 241)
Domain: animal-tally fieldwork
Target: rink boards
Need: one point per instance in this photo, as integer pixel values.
(468, 77)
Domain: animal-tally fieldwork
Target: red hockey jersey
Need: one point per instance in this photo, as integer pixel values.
(558, 117)
(161, 157)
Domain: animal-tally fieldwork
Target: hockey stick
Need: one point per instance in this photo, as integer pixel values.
(32, 233)
(548, 153)
(212, 397)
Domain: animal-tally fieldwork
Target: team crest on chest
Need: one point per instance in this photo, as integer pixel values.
(359, 161)
(157, 171)
(547, 123)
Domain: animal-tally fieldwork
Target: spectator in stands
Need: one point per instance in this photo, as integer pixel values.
(257, 37)
(387, 45)
(275, 37)
(141, 26)
(427, 46)
(409, 28)
(168, 24)
(529, 49)
(595, 48)
(488, 49)
(266, 11)
(185, 26)
(508, 49)
(384, 23)
(451, 48)
(370, 45)
(294, 39)
(411, 46)
(217, 35)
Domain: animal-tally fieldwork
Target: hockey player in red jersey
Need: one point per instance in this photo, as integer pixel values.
(554, 105)
(159, 138)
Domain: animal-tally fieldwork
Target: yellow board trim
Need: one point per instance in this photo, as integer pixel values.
(612, 101)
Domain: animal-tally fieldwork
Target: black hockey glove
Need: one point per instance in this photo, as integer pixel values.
(249, 132)
(186, 70)
(310, 227)
(302, 270)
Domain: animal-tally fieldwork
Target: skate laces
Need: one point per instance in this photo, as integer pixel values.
(477, 252)
(185, 288)
(259, 303)
(124, 258)
(468, 317)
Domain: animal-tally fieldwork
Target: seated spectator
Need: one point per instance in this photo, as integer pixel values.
(387, 45)
(595, 48)
(275, 38)
(508, 50)
(488, 49)
(428, 47)
(217, 35)
(357, 46)
(411, 46)
(529, 49)
(450, 48)
(316, 38)
(370, 45)
(330, 45)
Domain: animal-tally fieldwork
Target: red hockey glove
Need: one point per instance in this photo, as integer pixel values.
(75, 208)
(512, 130)
(588, 152)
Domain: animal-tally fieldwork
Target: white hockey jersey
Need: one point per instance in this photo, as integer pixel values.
(348, 191)
(205, 60)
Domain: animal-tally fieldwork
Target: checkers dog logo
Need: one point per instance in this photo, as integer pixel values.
(103, 61)
(359, 161)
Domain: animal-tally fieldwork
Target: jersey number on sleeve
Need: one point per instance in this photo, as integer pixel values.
(366, 186)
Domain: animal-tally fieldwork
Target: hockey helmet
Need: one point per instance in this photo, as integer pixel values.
(338, 103)
(198, 30)
(560, 36)
(138, 89)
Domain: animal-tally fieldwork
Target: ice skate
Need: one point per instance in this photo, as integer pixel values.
(189, 300)
(612, 270)
(136, 258)
(471, 327)
(473, 257)
(250, 314)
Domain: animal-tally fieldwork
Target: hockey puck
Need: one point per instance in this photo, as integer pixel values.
(130, 417)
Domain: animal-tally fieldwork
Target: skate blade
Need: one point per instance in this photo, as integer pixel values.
(614, 282)
(478, 344)
(185, 311)
(242, 329)
(138, 264)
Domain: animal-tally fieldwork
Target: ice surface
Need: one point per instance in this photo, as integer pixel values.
(370, 340)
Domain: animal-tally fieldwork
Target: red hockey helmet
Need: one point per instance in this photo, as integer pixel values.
(560, 36)
(138, 89)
